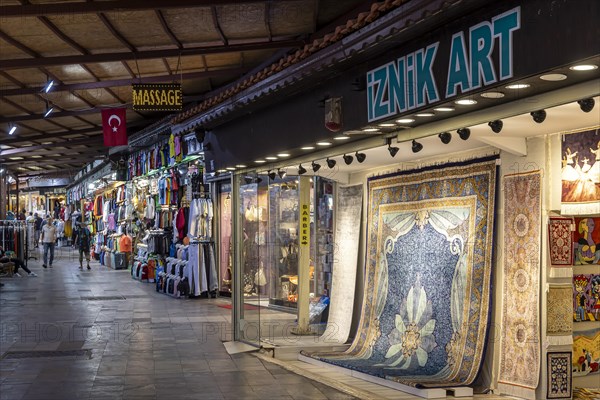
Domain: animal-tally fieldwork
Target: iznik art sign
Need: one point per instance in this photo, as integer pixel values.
(409, 82)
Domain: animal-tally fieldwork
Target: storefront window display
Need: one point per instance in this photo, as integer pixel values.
(225, 239)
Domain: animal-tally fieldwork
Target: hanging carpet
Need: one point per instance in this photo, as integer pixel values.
(426, 303)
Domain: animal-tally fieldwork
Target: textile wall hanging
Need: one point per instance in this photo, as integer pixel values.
(586, 352)
(559, 375)
(560, 240)
(586, 241)
(520, 352)
(586, 297)
(559, 311)
(426, 304)
(347, 235)
(580, 173)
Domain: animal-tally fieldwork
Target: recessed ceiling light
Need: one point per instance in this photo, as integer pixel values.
(492, 95)
(230, 169)
(271, 158)
(425, 114)
(323, 144)
(36, 156)
(553, 77)
(466, 102)
(444, 109)
(283, 155)
(221, 171)
(405, 120)
(240, 166)
(308, 148)
(387, 125)
(583, 67)
(518, 86)
(341, 137)
(260, 161)
(370, 129)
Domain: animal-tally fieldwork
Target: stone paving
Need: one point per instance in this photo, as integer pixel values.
(70, 334)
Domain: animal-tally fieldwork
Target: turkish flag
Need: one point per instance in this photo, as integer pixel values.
(114, 127)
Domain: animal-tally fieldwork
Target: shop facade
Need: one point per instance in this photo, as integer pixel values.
(426, 109)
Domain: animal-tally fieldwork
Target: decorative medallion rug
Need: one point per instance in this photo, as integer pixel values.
(559, 311)
(560, 240)
(426, 306)
(520, 339)
(559, 375)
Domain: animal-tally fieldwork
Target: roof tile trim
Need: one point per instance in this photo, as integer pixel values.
(341, 31)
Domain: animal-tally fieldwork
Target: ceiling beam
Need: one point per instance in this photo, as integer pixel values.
(168, 31)
(58, 114)
(127, 82)
(92, 141)
(142, 55)
(71, 8)
(55, 160)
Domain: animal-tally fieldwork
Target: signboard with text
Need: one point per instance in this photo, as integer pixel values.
(157, 97)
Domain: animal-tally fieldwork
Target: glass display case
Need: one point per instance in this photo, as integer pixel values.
(225, 239)
(283, 243)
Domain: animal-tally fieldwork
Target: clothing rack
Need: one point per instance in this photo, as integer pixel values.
(14, 238)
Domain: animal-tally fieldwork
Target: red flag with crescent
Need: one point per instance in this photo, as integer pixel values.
(114, 127)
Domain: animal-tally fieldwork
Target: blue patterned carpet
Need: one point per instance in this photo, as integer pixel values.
(427, 294)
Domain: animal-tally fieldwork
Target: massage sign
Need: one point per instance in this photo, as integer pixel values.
(157, 97)
(477, 57)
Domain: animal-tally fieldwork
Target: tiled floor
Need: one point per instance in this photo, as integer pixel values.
(145, 346)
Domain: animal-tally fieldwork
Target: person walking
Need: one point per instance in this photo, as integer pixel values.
(37, 228)
(48, 239)
(4, 257)
(82, 238)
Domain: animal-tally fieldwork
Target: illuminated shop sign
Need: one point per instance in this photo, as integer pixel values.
(157, 97)
(480, 56)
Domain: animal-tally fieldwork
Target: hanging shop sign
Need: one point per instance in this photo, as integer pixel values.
(157, 97)
(478, 57)
(304, 224)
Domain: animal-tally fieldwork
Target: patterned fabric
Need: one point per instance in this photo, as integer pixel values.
(561, 241)
(559, 311)
(586, 297)
(559, 375)
(427, 291)
(520, 352)
(580, 173)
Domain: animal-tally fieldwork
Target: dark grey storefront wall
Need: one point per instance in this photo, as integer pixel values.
(551, 34)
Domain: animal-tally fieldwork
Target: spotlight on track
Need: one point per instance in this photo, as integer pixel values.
(464, 133)
(392, 149)
(315, 166)
(301, 170)
(416, 146)
(586, 105)
(538, 116)
(281, 172)
(330, 162)
(360, 157)
(248, 179)
(272, 175)
(348, 159)
(496, 125)
(445, 137)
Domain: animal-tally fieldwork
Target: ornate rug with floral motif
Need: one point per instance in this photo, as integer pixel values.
(426, 305)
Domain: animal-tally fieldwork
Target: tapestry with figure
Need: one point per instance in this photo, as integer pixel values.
(560, 240)
(586, 352)
(580, 173)
(559, 375)
(586, 241)
(519, 344)
(425, 314)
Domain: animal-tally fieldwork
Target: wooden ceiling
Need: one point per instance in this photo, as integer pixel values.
(95, 50)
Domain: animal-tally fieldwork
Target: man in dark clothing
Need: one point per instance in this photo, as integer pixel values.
(37, 227)
(81, 239)
(4, 257)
